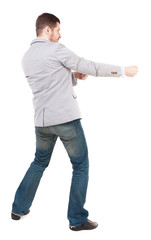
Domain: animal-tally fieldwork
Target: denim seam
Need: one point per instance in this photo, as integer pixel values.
(75, 128)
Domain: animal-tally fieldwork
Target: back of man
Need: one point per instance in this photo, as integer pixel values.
(51, 83)
(48, 68)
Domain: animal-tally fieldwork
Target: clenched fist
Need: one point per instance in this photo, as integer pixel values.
(80, 76)
(131, 71)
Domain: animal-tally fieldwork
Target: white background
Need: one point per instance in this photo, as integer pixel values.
(116, 120)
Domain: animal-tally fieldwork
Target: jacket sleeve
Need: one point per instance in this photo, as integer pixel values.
(72, 61)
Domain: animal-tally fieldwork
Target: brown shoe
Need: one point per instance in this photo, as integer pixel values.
(15, 216)
(89, 225)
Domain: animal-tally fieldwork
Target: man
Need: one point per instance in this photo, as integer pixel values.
(47, 66)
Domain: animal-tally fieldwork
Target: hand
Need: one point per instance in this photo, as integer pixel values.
(80, 76)
(131, 71)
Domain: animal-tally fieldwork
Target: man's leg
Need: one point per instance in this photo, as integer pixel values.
(45, 141)
(72, 136)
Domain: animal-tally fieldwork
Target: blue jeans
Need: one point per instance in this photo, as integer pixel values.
(72, 136)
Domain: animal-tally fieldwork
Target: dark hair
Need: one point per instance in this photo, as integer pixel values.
(46, 19)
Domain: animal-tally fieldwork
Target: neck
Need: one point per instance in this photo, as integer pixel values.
(43, 36)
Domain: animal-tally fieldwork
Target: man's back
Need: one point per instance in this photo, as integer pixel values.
(51, 83)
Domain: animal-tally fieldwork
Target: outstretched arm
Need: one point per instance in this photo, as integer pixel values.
(130, 71)
(87, 67)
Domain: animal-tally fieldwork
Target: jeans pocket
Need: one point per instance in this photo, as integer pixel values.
(66, 131)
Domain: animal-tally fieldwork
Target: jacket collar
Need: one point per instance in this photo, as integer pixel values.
(40, 40)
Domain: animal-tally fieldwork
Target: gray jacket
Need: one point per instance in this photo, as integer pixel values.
(48, 68)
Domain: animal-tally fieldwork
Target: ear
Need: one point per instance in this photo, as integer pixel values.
(48, 30)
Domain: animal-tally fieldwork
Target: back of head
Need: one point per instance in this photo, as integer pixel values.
(46, 19)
